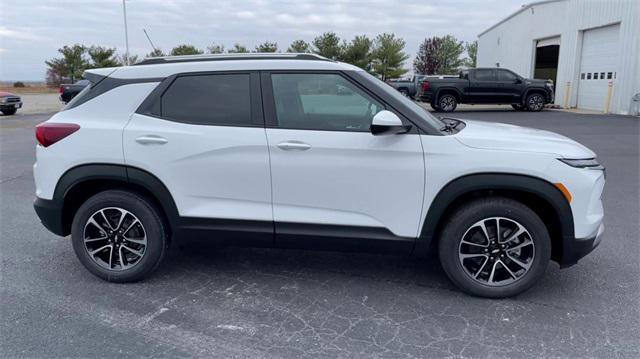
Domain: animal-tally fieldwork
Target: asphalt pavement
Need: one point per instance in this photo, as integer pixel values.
(241, 302)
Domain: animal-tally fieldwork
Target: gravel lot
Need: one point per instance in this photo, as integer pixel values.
(234, 302)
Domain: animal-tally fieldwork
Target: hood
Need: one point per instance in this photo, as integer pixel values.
(5, 94)
(500, 136)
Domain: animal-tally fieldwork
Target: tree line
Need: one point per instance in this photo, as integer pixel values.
(383, 56)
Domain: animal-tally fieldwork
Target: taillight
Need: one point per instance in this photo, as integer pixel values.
(49, 133)
(426, 86)
(61, 89)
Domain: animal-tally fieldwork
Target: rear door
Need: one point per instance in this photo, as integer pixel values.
(483, 86)
(331, 178)
(203, 136)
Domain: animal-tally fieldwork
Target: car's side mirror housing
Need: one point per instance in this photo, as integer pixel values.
(388, 123)
(518, 81)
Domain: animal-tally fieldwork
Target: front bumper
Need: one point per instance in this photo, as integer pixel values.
(576, 248)
(50, 214)
(10, 105)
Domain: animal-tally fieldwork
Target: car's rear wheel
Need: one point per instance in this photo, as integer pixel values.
(494, 247)
(119, 236)
(535, 102)
(404, 92)
(9, 111)
(447, 103)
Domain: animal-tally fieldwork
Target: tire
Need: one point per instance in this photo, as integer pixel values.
(473, 274)
(404, 92)
(447, 103)
(124, 258)
(534, 102)
(518, 107)
(434, 107)
(9, 112)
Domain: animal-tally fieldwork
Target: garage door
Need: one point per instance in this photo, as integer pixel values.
(598, 66)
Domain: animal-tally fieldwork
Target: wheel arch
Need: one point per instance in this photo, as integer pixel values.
(448, 90)
(538, 194)
(81, 182)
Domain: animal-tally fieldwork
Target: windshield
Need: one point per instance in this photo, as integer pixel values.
(414, 107)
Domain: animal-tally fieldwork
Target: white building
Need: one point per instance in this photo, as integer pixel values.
(589, 48)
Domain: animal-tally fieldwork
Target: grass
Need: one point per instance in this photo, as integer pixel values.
(29, 88)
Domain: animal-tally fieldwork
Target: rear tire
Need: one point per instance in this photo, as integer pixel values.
(447, 103)
(535, 102)
(119, 236)
(404, 92)
(9, 112)
(483, 264)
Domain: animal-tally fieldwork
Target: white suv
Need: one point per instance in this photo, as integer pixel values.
(294, 150)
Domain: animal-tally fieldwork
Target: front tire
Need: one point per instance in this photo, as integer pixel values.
(494, 248)
(535, 102)
(447, 103)
(9, 111)
(119, 236)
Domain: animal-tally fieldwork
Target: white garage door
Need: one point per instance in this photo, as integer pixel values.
(598, 66)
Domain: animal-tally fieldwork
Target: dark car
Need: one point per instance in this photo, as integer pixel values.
(69, 91)
(9, 103)
(486, 86)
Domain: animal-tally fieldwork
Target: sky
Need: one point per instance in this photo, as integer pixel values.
(31, 31)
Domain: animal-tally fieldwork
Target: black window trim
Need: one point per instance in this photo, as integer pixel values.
(151, 106)
(269, 108)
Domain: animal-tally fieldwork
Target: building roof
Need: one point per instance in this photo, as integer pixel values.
(523, 8)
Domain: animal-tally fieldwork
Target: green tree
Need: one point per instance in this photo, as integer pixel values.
(72, 64)
(328, 45)
(358, 52)
(155, 53)
(299, 46)
(102, 56)
(215, 49)
(267, 47)
(388, 56)
(185, 50)
(122, 59)
(238, 49)
(472, 53)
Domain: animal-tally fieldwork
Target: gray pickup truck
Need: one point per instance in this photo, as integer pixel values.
(407, 87)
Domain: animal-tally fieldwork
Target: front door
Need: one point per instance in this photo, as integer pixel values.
(331, 177)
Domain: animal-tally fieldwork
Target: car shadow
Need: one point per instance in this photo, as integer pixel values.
(209, 259)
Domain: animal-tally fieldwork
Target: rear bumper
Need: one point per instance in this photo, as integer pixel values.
(50, 214)
(576, 248)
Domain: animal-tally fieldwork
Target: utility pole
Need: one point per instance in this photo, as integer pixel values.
(126, 33)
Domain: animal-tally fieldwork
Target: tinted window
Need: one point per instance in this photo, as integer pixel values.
(322, 102)
(506, 76)
(484, 75)
(82, 82)
(209, 100)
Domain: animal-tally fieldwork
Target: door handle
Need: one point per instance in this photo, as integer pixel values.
(294, 145)
(151, 140)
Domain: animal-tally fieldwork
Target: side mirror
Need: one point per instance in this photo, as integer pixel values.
(518, 81)
(387, 123)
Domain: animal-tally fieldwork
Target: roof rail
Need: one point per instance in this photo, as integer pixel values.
(226, 57)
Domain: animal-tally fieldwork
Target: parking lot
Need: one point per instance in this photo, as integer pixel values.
(242, 302)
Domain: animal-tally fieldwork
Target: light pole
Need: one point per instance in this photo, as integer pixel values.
(126, 33)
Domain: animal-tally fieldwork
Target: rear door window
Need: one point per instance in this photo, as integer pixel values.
(218, 99)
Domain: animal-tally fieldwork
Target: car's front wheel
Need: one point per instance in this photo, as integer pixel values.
(9, 111)
(119, 236)
(447, 103)
(535, 102)
(494, 247)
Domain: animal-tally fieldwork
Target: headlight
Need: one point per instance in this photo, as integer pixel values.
(3, 99)
(589, 163)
